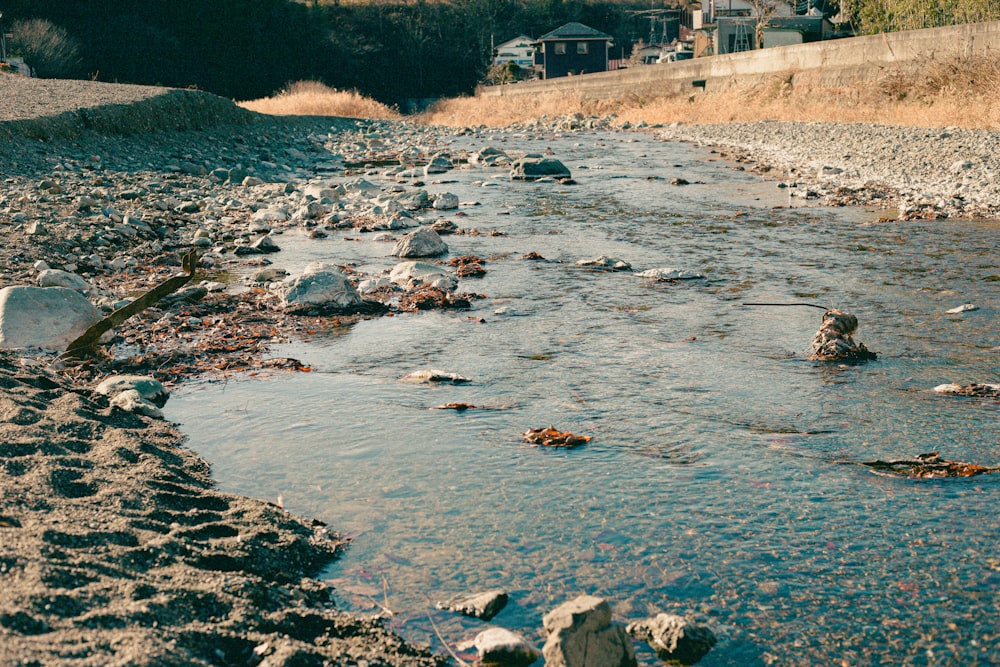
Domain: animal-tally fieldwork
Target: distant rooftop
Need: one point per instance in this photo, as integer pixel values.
(574, 31)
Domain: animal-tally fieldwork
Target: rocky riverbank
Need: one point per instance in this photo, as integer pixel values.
(912, 172)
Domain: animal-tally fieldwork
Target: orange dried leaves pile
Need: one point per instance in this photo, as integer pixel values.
(552, 437)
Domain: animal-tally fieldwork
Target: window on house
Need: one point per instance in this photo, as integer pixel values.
(560, 48)
(581, 48)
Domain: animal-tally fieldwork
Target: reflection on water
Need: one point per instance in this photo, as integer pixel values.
(715, 482)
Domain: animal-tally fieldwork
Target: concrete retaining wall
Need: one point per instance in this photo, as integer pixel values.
(830, 63)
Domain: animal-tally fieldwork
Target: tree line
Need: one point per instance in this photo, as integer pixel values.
(392, 50)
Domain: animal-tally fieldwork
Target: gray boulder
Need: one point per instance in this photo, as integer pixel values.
(580, 634)
(490, 157)
(423, 242)
(410, 275)
(533, 167)
(445, 201)
(58, 278)
(483, 606)
(497, 646)
(323, 289)
(674, 638)
(438, 164)
(44, 317)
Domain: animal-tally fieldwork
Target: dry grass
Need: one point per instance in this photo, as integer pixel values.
(961, 93)
(312, 98)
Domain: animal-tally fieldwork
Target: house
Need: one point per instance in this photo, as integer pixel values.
(572, 49)
(738, 33)
(520, 51)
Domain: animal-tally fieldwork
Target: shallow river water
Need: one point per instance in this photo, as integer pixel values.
(718, 481)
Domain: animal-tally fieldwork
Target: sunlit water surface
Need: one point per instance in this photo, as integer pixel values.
(715, 482)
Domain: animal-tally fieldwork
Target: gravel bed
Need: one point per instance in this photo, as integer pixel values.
(925, 173)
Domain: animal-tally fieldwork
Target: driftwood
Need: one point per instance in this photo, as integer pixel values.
(929, 466)
(88, 341)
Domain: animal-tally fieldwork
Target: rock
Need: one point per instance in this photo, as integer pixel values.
(983, 389)
(58, 278)
(268, 275)
(497, 646)
(674, 638)
(265, 244)
(325, 289)
(533, 167)
(131, 401)
(148, 388)
(434, 376)
(964, 308)
(581, 635)
(608, 263)
(834, 341)
(445, 201)
(481, 605)
(669, 274)
(186, 294)
(438, 164)
(44, 317)
(490, 157)
(410, 275)
(423, 242)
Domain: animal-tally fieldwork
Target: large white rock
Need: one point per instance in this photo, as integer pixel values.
(497, 646)
(323, 288)
(423, 242)
(581, 635)
(410, 275)
(49, 318)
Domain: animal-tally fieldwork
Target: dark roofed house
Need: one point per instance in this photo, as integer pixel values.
(572, 49)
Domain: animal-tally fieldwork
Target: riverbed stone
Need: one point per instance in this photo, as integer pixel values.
(606, 263)
(410, 275)
(503, 648)
(483, 605)
(580, 634)
(445, 201)
(534, 167)
(49, 318)
(490, 156)
(438, 164)
(835, 339)
(422, 242)
(147, 387)
(434, 376)
(323, 289)
(676, 639)
(669, 275)
(60, 278)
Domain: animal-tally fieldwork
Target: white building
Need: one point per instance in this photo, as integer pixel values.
(519, 50)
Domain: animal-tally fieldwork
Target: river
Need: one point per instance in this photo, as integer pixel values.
(719, 480)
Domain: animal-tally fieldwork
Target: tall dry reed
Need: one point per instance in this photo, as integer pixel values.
(312, 98)
(963, 92)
